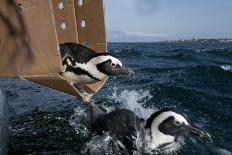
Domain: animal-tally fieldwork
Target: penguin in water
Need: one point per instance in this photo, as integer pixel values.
(160, 130)
(85, 66)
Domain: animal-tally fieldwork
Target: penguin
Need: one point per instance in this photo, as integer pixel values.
(161, 129)
(84, 66)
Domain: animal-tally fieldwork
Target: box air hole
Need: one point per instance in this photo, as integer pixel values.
(80, 2)
(83, 24)
(61, 5)
(63, 25)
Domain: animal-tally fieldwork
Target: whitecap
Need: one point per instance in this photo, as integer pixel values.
(227, 67)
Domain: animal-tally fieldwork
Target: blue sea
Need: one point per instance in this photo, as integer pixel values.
(195, 78)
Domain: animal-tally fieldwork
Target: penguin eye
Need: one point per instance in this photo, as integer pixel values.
(113, 64)
(177, 123)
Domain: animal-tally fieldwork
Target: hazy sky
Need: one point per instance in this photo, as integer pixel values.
(154, 20)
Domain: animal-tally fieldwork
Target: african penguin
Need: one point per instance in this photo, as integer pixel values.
(162, 128)
(84, 66)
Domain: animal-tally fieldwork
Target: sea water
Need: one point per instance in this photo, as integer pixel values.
(195, 78)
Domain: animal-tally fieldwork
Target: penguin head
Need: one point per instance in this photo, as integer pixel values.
(110, 66)
(166, 125)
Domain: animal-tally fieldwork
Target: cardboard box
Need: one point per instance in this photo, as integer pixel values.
(45, 24)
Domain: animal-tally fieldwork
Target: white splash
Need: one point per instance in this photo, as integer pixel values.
(227, 67)
(104, 144)
(133, 100)
(76, 120)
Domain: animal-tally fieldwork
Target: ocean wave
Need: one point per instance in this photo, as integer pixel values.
(161, 69)
(126, 51)
(193, 55)
(182, 50)
(210, 70)
(184, 54)
(219, 52)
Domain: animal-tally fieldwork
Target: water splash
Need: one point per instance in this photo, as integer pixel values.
(104, 144)
(227, 67)
(133, 100)
(76, 120)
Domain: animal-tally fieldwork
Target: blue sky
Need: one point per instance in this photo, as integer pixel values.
(157, 20)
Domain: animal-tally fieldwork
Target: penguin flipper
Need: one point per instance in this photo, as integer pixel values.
(95, 112)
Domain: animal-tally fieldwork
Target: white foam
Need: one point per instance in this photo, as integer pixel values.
(227, 67)
(133, 100)
(76, 120)
(104, 144)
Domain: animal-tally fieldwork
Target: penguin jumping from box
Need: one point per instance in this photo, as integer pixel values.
(161, 129)
(84, 66)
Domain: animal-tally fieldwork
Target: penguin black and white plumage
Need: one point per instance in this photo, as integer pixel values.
(84, 66)
(162, 128)
(122, 124)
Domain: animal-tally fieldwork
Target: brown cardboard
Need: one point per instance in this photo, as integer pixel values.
(66, 16)
(92, 12)
(38, 18)
(43, 19)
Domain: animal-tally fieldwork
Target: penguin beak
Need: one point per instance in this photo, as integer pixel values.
(126, 71)
(196, 131)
